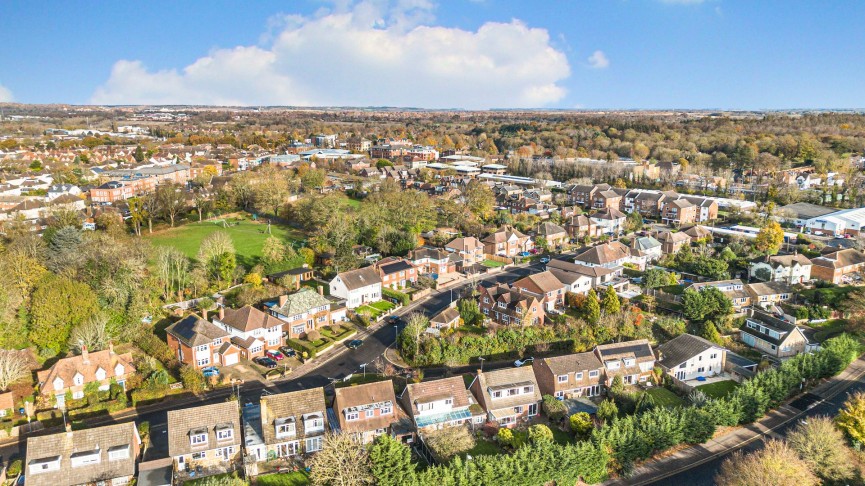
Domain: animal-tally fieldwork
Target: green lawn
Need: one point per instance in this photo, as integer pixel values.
(483, 447)
(831, 296)
(297, 478)
(492, 263)
(828, 329)
(383, 305)
(719, 389)
(248, 237)
(665, 397)
(352, 203)
(371, 311)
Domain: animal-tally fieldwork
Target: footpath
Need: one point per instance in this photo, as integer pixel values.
(658, 469)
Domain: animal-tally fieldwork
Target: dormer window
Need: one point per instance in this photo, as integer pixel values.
(119, 370)
(48, 464)
(118, 453)
(629, 361)
(198, 438)
(352, 416)
(224, 433)
(386, 410)
(85, 458)
(100, 374)
(78, 379)
(58, 384)
(286, 427)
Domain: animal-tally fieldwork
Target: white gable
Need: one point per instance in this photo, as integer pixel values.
(58, 383)
(119, 370)
(100, 374)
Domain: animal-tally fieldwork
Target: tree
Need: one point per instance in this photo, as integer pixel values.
(634, 222)
(469, 311)
(708, 303)
(410, 336)
(270, 191)
(342, 461)
(763, 274)
(92, 334)
(216, 253)
(774, 465)
(138, 154)
(610, 303)
(137, 213)
(449, 442)
(202, 203)
(769, 238)
(391, 462)
(273, 251)
(851, 418)
(540, 433)
(58, 304)
(13, 368)
(592, 308)
(607, 410)
(170, 200)
(312, 179)
(581, 425)
(655, 278)
(479, 199)
(553, 408)
(64, 253)
(192, 378)
(822, 446)
(172, 269)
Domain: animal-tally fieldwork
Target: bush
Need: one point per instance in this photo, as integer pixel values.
(302, 347)
(449, 442)
(313, 335)
(145, 396)
(540, 432)
(192, 378)
(581, 425)
(505, 436)
(395, 295)
(553, 407)
(14, 468)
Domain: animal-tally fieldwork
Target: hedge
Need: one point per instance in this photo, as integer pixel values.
(144, 396)
(395, 295)
(301, 347)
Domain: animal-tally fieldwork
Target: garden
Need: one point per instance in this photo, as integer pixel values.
(719, 389)
(376, 309)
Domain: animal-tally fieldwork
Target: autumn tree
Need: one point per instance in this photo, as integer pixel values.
(13, 368)
(172, 269)
(851, 418)
(822, 446)
(58, 304)
(774, 465)
(342, 461)
(611, 303)
(770, 238)
(92, 334)
(390, 461)
(591, 307)
(479, 199)
(170, 200)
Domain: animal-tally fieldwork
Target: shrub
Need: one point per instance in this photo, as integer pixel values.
(553, 407)
(540, 432)
(302, 347)
(505, 436)
(400, 297)
(192, 378)
(14, 468)
(449, 442)
(313, 335)
(581, 425)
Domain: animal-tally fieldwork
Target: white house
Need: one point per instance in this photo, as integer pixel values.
(609, 221)
(357, 287)
(687, 357)
(790, 269)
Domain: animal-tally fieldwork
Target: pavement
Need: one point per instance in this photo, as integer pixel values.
(697, 465)
(332, 365)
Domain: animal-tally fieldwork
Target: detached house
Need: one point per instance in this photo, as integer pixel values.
(569, 376)
(438, 404)
(773, 336)
(687, 357)
(580, 226)
(678, 212)
(449, 318)
(608, 255)
(251, 330)
(632, 360)
(609, 221)
(834, 264)
(508, 395)
(555, 235)
(367, 411)
(768, 294)
(357, 287)
(199, 343)
(580, 278)
(546, 287)
(608, 199)
(432, 261)
(99, 455)
(510, 306)
(73, 374)
(733, 289)
(206, 436)
(789, 269)
(293, 423)
(672, 242)
(301, 312)
(396, 273)
(507, 242)
(470, 249)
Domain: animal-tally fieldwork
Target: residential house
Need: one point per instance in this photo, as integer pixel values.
(396, 273)
(357, 287)
(437, 404)
(734, 290)
(609, 221)
(449, 318)
(678, 212)
(706, 209)
(470, 249)
(632, 360)
(432, 261)
(581, 226)
(546, 287)
(555, 235)
(608, 199)
(301, 312)
(584, 195)
(673, 241)
(251, 330)
(570, 376)
(608, 255)
(206, 436)
(293, 423)
(98, 455)
(835, 264)
(596, 276)
(789, 269)
(73, 374)
(772, 336)
(687, 357)
(367, 410)
(698, 233)
(507, 242)
(648, 204)
(646, 248)
(294, 277)
(508, 395)
(767, 294)
(199, 343)
(510, 306)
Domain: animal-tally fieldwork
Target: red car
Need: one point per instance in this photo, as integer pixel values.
(276, 355)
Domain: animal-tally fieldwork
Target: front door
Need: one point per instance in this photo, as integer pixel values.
(533, 409)
(680, 375)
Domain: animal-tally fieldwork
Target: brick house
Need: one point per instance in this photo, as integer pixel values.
(580, 226)
(437, 404)
(767, 294)
(834, 264)
(73, 374)
(632, 360)
(199, 343)
(648, 204)
(432, 261)
(672, 242)
(572, 375)
(206, 436)
(545, 286)
(251, 330)
(508, 242)
(301, 312)
(508, 396)
(510, 306)
(608, 255)
(396, 273)
(367, 410)
(555, 235)
(606, 199)
(678, 212)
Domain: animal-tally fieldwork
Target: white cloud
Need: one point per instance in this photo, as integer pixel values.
(598, 60)
(5, 95)
(364, 54)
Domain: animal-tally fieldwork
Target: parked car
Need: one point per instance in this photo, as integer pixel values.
(354, 344)
(275, 355)
(524, 254)
(209, 371)
(265, 361)
(394, 319)
(545, 260)
(524, 361)
(288, 352)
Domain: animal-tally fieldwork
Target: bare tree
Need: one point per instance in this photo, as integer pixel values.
(342, 461)
(13, 368)
(774, 465)
(171, 200)
(92, 333)
(172, 267)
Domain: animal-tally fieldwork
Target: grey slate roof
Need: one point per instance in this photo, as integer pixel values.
(206, 419)
(681, 349)
(193, 331)
(294, 405)
(362, 277)
(561, 365)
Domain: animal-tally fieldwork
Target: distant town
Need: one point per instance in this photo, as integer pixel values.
(276, 296)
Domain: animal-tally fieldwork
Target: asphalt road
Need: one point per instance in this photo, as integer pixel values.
(345, 362)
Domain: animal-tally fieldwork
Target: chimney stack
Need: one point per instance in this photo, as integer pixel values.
(221, 312)
(283, 299)
(320, 290)
(85, 355)
(110, 348)
(204, 314)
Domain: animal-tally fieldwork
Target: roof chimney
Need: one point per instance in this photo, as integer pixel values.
(221, 312)
(283, 299)
(320, 290)
(204, 314)
(110, 348)
(85, 355)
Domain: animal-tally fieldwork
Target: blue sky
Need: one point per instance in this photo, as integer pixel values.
(642, 54)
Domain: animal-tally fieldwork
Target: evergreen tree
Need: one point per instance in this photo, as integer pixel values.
(592, 308)
(611, 303)
(391, 462)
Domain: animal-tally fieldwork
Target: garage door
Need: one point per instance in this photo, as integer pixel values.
(230, 359)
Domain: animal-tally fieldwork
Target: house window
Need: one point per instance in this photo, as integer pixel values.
(352, 416)
(449, 401)
(593, 374)
(497, 394)
(78, 395)
(518, 409)
(78, 380)
(224, 434)
(713, 356)
(578, 375)
(202, 361)
(370, 413)
(199, 455)
(118, 453)
(528, 389)
(314, 444)
(563, 378)
(203, 347)
(386, 410)
(198, 439)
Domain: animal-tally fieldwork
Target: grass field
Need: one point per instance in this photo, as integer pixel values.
(296, 478)
(719, 389)
(492, 263)
(665, 397)
(248, 237)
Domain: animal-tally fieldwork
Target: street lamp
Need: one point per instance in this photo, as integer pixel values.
(363, 367)
(482, 359)
(395, 333)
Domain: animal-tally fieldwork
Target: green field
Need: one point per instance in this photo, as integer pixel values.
(248, 237)
(492, 263)
(719, 389)
(665, 398)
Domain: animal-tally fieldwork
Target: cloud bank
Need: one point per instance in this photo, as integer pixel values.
(5, 95)
(365, 54)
